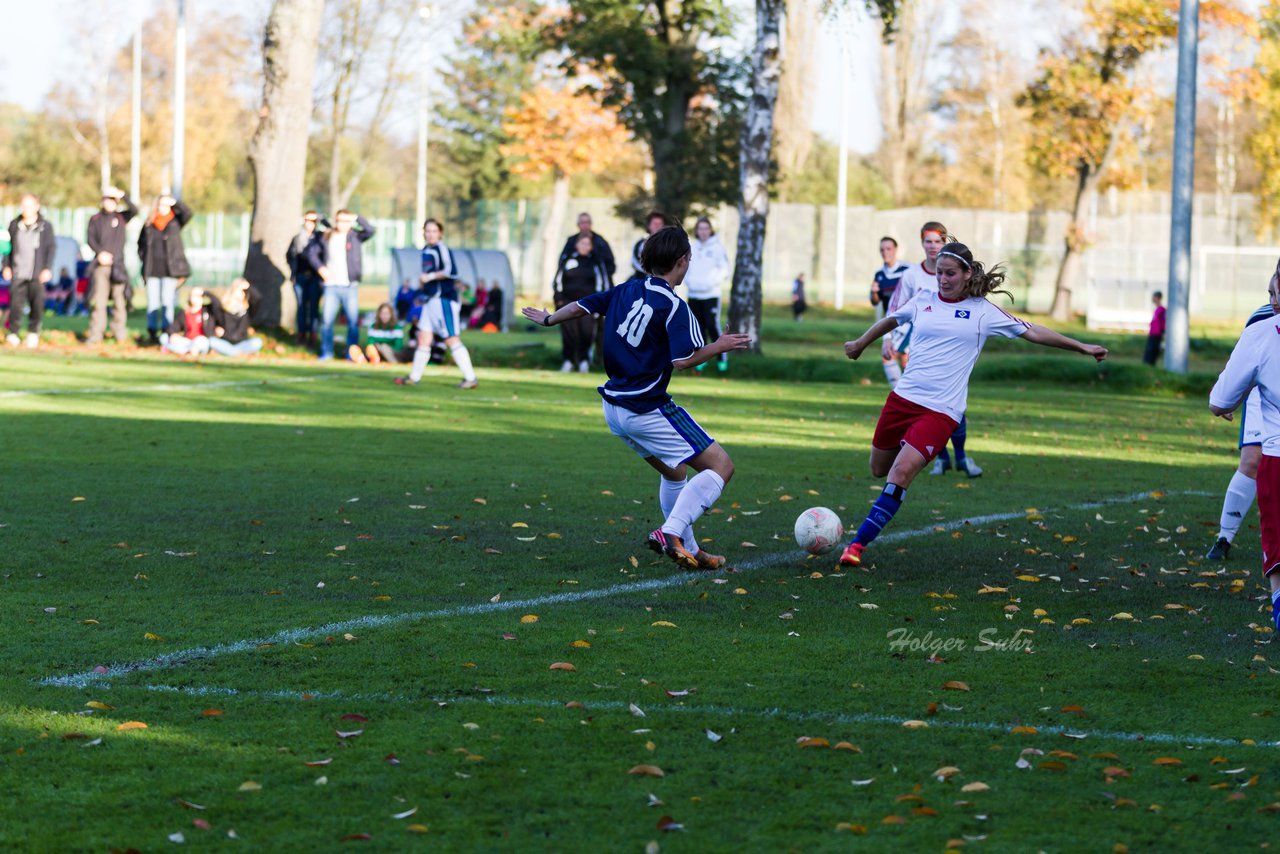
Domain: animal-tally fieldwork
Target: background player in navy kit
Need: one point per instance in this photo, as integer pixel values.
(649, 332)
(653, 223)
(440, 317)
(887, 277)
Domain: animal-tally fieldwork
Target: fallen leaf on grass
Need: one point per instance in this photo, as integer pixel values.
(562, 665)
(405, 814)
(128, 725)
(858, 829)
(1166, 760)
(806, 741)
(249, 786)
(975, 787)
(1115, 771)
(666, 624)
(417, 828)
(845, 745)
(713, 737)
(316, 763)
(914, 725)
(946, 772)
(1024, 730)
(636, 710)
(529, 618)
(355, 733)
(647, 771)
(212, 713)
(188, 805)
(955, 685)
(667, 824)
(99, 705)
(866, 782)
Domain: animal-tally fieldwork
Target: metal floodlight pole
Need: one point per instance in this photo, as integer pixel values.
(424, 117)
(842, 178)
(1177, 337)
(135, 138)
(179, 99)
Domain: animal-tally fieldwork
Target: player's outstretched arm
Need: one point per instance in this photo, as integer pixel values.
(726, 343)
(853, 349)
(1047, 337)
(542, 317)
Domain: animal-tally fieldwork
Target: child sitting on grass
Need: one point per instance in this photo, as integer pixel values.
(385, 339)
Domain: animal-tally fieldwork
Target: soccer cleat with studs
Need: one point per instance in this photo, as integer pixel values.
(1220, 550)
(940, 466)
(708, 561)
(969, 467)
(467, 384)
(671, 546)
(852, 555)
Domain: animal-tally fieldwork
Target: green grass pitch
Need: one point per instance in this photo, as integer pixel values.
(336, 605)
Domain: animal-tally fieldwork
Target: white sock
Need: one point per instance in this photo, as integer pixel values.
(421, 356)
(893, 373)
(462, 358)
(699, 493)
(668, 492)
(1235, 504)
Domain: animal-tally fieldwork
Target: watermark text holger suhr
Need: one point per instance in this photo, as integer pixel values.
(988, 640)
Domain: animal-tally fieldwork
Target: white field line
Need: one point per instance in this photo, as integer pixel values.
(169, 387)
(852, 718)
(182, 657)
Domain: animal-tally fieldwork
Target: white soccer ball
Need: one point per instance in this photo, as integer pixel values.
(819, 530)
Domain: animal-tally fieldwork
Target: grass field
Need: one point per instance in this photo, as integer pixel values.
(333, 601)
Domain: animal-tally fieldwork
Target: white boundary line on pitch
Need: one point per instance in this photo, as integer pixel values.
(713, 710)
(179, 658)
(161, 387)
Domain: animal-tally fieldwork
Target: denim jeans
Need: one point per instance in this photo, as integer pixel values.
(306, 290)
(223, 347)
(347, 298)
(182, 345)
(161, 296)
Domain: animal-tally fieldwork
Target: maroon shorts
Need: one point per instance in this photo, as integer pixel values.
(1269, 512)
(905, 423)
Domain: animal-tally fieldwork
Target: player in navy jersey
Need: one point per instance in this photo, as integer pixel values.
(887, 277)
(950, 325)
(649, 332)
(1243, 488)
(440, 316)
(653, 223)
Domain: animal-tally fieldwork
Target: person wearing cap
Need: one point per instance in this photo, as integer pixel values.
(108, 276)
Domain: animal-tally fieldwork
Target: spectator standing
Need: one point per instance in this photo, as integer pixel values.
(708, 268)
(654, 222)
(107, 273)
(599, 245)
(232, 334)
(1155, 332)
(798, 304)
(337, 257)
(28, 268)
(306, 284)
(164, 261)
(581, 274)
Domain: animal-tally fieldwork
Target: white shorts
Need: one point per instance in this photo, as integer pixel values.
(440, 317)
(1251, 425)
(668, 432)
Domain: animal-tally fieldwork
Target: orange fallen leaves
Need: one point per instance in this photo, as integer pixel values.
(646, 771)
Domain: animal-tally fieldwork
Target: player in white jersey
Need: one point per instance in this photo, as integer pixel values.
(1255, 364)
(1243, 487)
(923, 276)
(950, 326)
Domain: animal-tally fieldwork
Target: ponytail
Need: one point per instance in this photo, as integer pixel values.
(983, 281)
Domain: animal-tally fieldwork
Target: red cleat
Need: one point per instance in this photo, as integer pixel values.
(852, 555)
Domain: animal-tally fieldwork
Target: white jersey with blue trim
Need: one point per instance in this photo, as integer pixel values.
(946, 340)
(1255, 361)
(646, 329)
(438, 259)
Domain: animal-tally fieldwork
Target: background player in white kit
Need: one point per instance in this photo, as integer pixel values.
(648, 333)
(1255, 361)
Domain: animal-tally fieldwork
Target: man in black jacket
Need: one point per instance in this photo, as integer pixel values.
(108, 277)
(29, 267)
(337, 257)
(599, 246)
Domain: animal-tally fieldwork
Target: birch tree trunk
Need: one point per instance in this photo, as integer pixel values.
(553, 234)
(278, 153)
(753, 163)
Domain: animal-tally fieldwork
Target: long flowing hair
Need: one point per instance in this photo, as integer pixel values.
(983, 281)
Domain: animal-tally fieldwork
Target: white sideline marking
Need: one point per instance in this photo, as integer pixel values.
(133, 389)
(715, 711)
(178, 658)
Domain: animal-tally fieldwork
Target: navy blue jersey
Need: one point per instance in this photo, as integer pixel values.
(1263, 313)
(887, 280)
(646, 328)
(438, 259)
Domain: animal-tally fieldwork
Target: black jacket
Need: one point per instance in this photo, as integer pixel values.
(318, 251)
(210, 318)
(299, 265)
(106, 234)
(599, 247)
(46, 244)
(235, 327)
(162, 253)
(580, 275)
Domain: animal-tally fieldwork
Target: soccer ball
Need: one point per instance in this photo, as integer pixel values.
(818, 530)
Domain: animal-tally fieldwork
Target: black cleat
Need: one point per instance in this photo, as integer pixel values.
(1220, 550)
